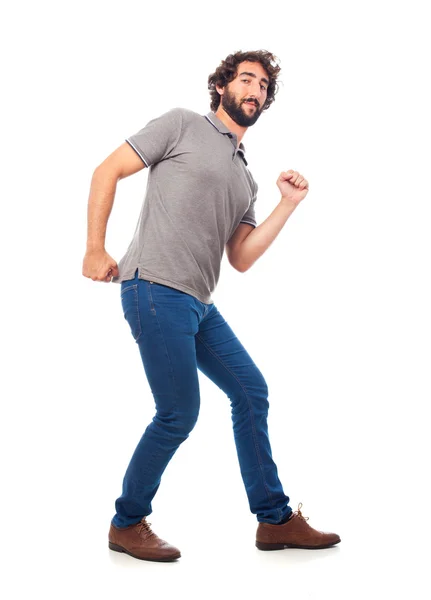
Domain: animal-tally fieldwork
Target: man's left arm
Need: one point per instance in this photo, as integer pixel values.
(293, 187)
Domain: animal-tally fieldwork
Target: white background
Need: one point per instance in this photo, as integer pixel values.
(336, 313)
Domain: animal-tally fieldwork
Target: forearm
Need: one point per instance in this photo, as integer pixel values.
(262, 236)
(100, 202)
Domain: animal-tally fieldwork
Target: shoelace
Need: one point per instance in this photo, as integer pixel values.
(299, 513)
(145, 527)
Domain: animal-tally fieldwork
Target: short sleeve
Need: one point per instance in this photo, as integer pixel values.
(158, 138)
(250, 215)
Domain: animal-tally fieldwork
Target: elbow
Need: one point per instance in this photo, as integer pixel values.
(242, 268)
(238, 264)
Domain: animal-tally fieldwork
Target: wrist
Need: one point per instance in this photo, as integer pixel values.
(95, 248)
(286, 201)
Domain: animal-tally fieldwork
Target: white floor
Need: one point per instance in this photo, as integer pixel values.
(217, 562)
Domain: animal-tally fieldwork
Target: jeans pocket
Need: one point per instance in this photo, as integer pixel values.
(130, 304)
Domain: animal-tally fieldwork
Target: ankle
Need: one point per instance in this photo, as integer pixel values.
(286, 518)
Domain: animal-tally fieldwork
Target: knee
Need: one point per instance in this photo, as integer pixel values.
(253, 397)
(177, 424)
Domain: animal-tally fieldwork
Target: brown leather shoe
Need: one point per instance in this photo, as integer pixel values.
(140, 542)
(295, 533)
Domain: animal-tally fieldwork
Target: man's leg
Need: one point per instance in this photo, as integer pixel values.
(222, 358)
(163, 322)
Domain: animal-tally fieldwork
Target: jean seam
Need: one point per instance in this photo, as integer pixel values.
(136, 308)
(251, 419)
(129, 287)
(150, 298)
(138, 316)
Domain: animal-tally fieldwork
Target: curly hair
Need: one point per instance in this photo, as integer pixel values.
(227, 71)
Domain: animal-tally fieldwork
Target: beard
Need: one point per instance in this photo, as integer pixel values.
(236, 112)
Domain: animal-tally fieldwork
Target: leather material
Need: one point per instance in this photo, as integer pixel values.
(296, 533)
(141, 542)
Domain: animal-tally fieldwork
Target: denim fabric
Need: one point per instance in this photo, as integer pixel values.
(177, 334)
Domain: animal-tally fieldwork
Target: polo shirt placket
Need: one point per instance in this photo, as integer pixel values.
(221, 128)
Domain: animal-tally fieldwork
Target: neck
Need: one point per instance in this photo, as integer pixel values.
(230, 123)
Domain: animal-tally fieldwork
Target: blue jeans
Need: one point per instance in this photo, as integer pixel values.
(177, 334)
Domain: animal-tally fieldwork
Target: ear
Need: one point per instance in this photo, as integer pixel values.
(220, 90)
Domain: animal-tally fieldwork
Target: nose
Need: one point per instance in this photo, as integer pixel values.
(256, 92)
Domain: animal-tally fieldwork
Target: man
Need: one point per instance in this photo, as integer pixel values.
(199, 202)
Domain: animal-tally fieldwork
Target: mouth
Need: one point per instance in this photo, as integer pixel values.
(250, 104)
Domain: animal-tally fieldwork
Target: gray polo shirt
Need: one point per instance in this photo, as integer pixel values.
(198, 191)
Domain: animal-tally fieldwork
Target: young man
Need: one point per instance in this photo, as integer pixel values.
(199, 202)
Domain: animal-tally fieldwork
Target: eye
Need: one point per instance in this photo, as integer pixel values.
(262, 87)
(246, 80)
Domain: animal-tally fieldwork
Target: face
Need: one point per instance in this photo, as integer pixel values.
(244, 97)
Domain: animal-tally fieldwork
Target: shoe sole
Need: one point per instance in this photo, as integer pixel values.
(161, 559)
(265, 546)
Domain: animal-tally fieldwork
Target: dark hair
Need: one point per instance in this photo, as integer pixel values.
(227, 71)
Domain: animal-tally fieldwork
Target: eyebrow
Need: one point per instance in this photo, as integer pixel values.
(253, 75)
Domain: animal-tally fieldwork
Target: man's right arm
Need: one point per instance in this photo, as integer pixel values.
(124, 161)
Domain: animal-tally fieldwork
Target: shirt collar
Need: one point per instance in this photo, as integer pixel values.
(221, 128)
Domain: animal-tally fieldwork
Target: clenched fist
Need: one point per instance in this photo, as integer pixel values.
(98, 265)
(292, 185)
